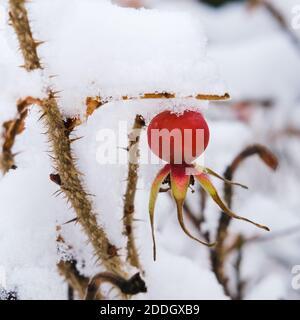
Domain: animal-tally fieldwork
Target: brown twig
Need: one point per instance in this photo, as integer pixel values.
(75, 280)
(288, 131)
(19, 20)
(67, 268)
(132, 179)
(238, 247)
(94, 103)
(264, 103)
(279, 18)
(276, 235)
(218, 254)
(11, 129)
(132, 286)
(240, 283)
(191, 215)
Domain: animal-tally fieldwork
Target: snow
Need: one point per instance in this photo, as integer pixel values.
(94, 47)
(122, 51)
(15, 82)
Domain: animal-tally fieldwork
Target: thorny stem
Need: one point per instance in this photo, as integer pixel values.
(62, 154)
(28, 46)
(132, 179)
(218, 254)
(131, 286)
(73, 189)
(19, 21)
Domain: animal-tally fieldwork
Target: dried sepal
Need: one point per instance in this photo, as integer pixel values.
(180, 182)
(162, 174)
(211, 190)
(216, 175)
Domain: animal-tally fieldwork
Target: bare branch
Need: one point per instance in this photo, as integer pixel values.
(219, 253)
(72, 187)
(11, 129)
(94, 103)
(75, 280)
(20, 23)
(132, 179)
(134, 285)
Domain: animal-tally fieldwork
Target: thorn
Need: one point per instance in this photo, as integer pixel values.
(52, 157)
(42, 116)
(38, 43)
(72, 220)
(90, 194)
(56, 92)
(138, 220)
(75, 139)
(16, 153)
(57, 193)
(123, 148)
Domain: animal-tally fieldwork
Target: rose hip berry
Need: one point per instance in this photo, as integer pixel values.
(177, 138)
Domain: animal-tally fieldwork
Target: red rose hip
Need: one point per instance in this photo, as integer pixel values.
(178, 139)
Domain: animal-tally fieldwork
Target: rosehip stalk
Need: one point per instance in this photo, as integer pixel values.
(179, 140)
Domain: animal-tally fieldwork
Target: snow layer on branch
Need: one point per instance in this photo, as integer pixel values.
(95, 47)
(15, 82)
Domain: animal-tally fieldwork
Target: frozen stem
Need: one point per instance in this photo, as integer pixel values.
(218, 254)
(72, 187)
(58, 135)
(132, 286)
(93, 103)
(132, 179)
(19, 20)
